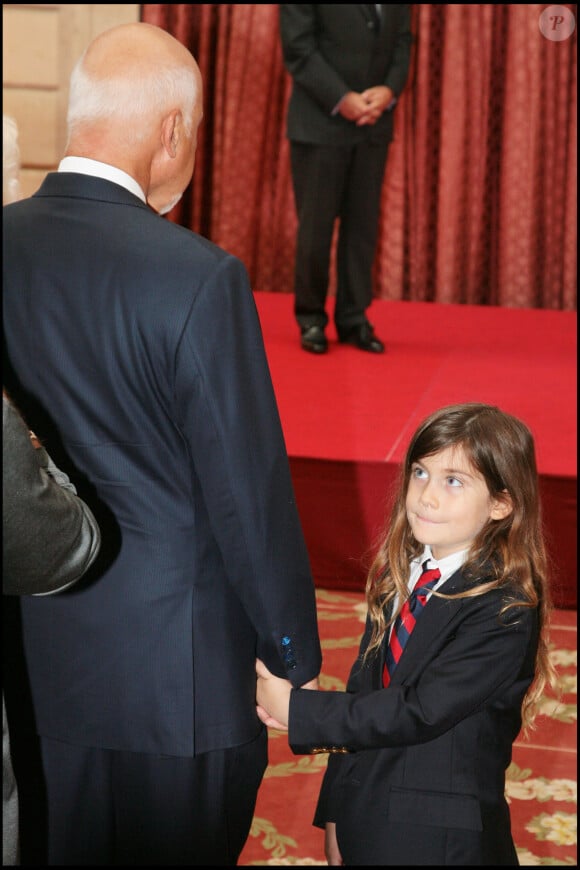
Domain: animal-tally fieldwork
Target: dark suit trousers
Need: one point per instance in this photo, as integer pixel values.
(125, 808)
(331, 181)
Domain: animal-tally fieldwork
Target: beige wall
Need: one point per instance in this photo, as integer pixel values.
(41, 43)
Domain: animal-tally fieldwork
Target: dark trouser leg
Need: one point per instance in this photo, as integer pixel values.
(359, 220)
(318, 176)
(130, 809)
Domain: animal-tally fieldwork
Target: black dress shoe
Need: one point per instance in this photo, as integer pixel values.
(364, 338)
(314, 340)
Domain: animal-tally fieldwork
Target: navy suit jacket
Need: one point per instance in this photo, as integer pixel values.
(424, 777)
(134, 348)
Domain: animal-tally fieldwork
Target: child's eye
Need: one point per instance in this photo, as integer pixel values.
(419, 473)
(454, 481)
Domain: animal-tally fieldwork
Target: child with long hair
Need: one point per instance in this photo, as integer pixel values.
(452, 663)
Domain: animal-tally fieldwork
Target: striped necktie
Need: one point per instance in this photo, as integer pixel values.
(405, 621)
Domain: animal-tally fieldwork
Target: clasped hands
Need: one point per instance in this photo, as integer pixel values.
(273, 697)
(367, 107)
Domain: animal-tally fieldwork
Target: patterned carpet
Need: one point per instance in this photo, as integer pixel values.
(541, 783)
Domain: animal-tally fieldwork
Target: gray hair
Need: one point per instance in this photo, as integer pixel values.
(139, 99)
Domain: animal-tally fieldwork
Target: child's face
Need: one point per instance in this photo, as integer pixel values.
(448, 502)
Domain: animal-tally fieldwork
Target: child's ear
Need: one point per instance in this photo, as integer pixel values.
(501, 506)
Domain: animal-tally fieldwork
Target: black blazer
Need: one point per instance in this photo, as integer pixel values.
(137, 345)
(330, 49)
(424, 778)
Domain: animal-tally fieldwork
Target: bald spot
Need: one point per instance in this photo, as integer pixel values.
(131, 49)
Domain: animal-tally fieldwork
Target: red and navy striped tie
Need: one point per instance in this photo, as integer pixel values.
(405, 621)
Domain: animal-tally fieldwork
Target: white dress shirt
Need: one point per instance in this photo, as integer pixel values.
(447, 566)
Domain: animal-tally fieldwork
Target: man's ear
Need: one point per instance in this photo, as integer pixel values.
(501, 507)
(170, 132)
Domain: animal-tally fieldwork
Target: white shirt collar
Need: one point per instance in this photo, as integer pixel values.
(86, 166)
(447, 566)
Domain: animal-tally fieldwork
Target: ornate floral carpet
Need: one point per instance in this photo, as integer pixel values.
(541, 782)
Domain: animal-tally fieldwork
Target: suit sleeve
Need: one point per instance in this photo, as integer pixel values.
(50, 536)
(303, 59)
(399, 68)
(230, 420)
(481, 661)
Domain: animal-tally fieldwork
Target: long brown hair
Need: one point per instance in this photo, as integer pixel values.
(506, 551)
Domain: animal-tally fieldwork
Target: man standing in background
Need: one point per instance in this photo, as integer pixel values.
(134, 348)
(349, 63)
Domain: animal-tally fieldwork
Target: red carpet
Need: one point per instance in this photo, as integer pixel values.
(541, 782)
(347, 415)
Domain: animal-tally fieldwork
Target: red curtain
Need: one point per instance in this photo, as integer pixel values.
(479, 196)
